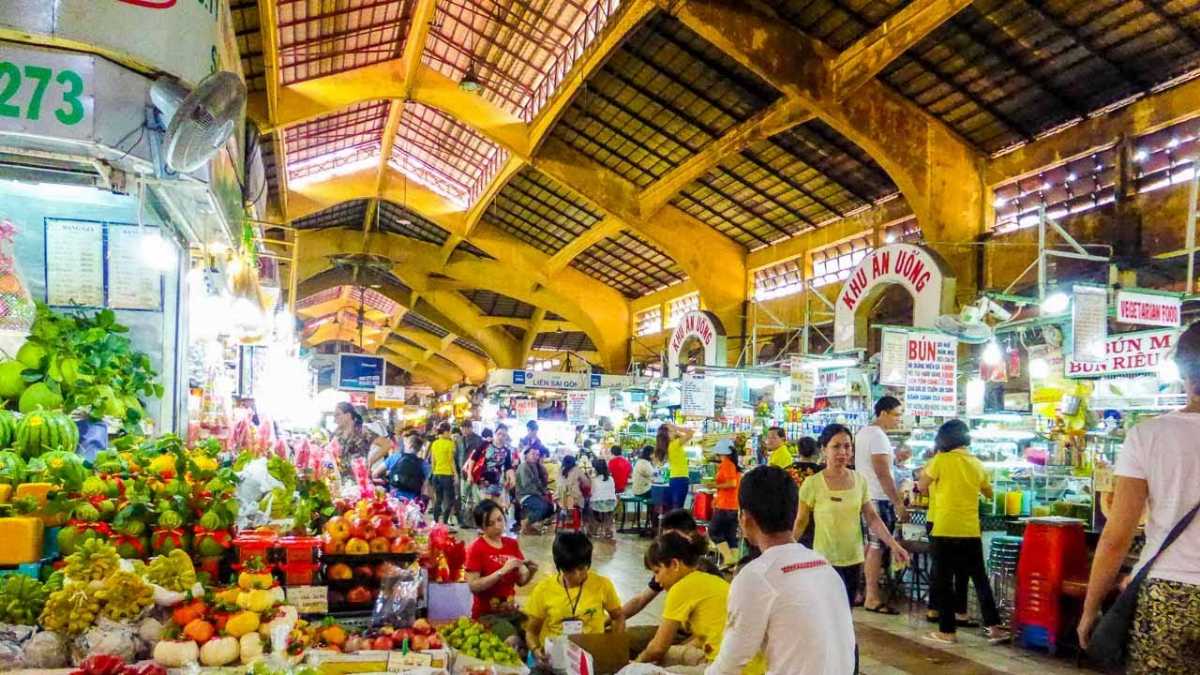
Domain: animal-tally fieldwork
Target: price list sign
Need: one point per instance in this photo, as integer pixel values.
(930, 376)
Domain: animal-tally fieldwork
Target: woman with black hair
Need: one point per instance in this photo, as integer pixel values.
(669, 448)
(575, 600)
(573, 489)
(723, 526)
(954, 479)
(495, 565)
(696, 603)
(837, 500)
(353, 440)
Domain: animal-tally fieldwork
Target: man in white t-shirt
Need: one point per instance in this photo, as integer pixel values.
(873, 457)
(788, 604)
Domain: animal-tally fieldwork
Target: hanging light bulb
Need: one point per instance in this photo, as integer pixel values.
(992, 355)
(1055, 303)
(1039, 369)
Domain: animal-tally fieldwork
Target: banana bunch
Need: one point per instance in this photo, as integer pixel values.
(21, 600)
(94, 560)
(173, 571)
(124, 595)
(70, 611)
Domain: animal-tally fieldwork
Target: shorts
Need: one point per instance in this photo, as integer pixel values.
(723, 527)
(887, 513)
(603, 505)
(1165, 636)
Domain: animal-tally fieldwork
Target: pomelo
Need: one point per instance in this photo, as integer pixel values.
(31, 354)
(39, 395)
(12, 385)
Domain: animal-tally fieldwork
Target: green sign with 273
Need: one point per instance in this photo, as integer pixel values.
(46, 93)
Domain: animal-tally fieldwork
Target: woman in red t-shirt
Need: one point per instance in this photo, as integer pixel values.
(495, 565)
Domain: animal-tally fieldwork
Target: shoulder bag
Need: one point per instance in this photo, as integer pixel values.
(1109, 644)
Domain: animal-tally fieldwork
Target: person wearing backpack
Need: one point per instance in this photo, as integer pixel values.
(406, 471)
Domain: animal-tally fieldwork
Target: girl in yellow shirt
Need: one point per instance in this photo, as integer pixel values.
(695, 602)
(669, 448)
(576, 600)
(954, 480)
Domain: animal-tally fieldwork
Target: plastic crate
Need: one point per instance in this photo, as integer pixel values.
(255, 545)
(298, 573)
(32, 570)
(23, 538)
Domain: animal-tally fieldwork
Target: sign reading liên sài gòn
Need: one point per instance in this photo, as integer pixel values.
(1148, 309)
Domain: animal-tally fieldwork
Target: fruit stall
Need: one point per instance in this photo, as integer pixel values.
(134, 553)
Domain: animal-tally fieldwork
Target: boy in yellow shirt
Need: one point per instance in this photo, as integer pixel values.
(575, 600)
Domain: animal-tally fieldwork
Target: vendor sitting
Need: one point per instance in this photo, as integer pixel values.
(573, 601)
(495, 565)
(681, 522)
(695, 603)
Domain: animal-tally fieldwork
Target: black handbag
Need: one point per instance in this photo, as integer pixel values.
(1109, 644)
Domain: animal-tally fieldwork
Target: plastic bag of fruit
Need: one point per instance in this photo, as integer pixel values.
(397, 601)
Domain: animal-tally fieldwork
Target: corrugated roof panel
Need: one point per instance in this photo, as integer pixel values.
(346, 214)
(498, 304)
(335, 140)
(249, 41)
(332, 36)
(630, 264)
(564, 341)
(540, 212)
(440, 152)
(396, 219)
(661, 97)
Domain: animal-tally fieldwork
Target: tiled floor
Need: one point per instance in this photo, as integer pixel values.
(888, 645)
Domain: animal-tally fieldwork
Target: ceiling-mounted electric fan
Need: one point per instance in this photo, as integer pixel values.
(197, 121)
(969, 325)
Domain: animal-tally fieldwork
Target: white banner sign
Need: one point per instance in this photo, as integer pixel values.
(1128, 354)
(893, 357)
(388, 393)
(931, 376)
(1089, 323)
(697, 394)
(804, 384)
(1149, 309)
(579, 407)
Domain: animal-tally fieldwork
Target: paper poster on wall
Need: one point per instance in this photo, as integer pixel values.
(832, 382)
(74, 263)
(1089, 323)
(579, 407)
(893, 357)
(525, 409)
(697, 396)
(132, 284)
(931, 376)
(804, 384)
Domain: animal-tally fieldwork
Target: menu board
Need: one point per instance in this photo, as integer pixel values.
(132, 284)
(579, 407)
(804, 384)
(74, 263)
(893, 358)
(697, 396)
(1089, 324)
(930, 377)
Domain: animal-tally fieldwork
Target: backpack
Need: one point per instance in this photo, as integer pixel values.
(407, 474)
(479, 463)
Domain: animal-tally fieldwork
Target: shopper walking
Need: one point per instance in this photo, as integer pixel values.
(836, 499)
(573, 488)
(723, 527)
(873, 457)
(442, 452)
(955, 479)
(1159, 468)
(787, 603)
(669, 449)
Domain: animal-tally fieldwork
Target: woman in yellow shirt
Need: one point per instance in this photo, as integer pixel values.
(695, 602)
(836, 498)
(576, 600)
(669, 448)
(954, 480)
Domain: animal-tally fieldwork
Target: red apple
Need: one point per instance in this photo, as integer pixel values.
(382, 643)
(384, 526)
(435, 641)
(380, 545)
(422, 627)
(419, 643)
(363, 572)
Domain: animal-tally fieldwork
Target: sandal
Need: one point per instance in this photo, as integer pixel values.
(882, 609)
(940, 639)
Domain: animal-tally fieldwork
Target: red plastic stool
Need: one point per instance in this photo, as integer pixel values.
(1053, 552)
(702, 506)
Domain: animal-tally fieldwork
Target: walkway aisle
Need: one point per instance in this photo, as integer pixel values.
(890, 645)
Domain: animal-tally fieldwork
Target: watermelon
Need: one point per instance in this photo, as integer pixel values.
(42, 431)
(12, 468)
(8, 428)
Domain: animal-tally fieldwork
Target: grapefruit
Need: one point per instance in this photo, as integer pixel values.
(12, 385)
(31, 354)
(39, 395)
